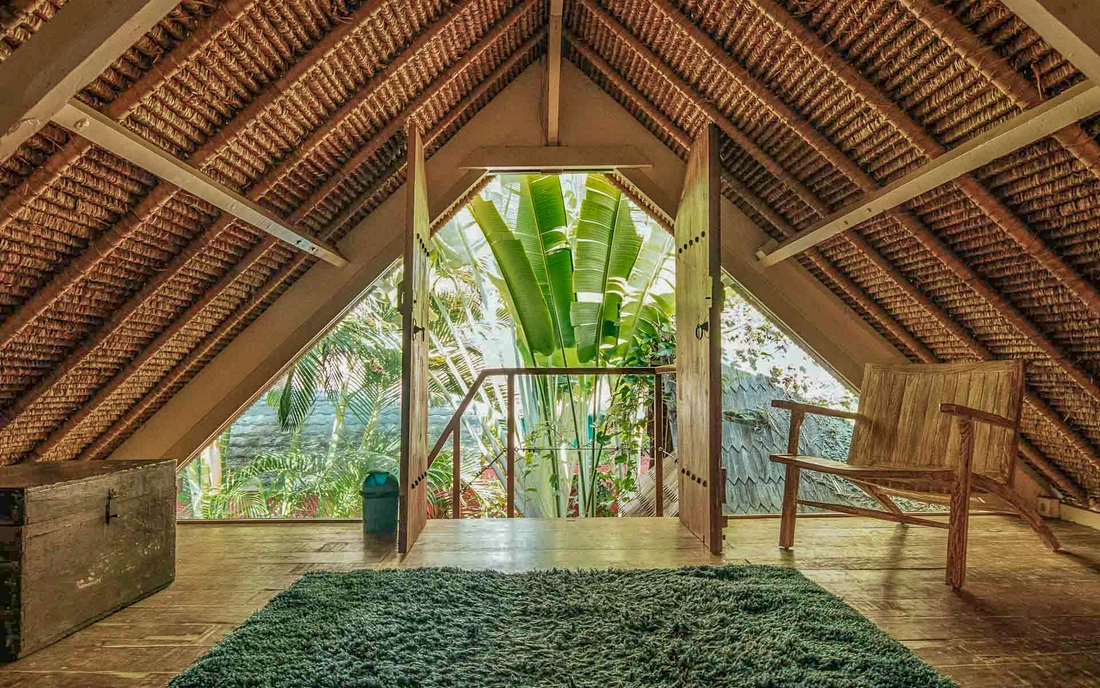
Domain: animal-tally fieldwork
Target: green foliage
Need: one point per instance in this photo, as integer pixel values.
(532, 310)
(606, 286)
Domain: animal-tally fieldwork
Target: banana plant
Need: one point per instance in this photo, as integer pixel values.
(582, 283)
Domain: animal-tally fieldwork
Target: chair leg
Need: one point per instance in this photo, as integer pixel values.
(790, 507)
(1026, 511)
(959, 519)
(957, 528)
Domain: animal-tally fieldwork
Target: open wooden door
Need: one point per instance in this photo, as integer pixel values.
(699, 344)
(413, 502)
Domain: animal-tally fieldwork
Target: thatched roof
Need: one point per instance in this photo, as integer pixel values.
(115, 290)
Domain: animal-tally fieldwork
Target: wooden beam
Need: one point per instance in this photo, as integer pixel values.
(553, 71)
(1037, 123)
(871, 513)
(1072, 27)
(68, 52)
(513, 159)
(106, 133)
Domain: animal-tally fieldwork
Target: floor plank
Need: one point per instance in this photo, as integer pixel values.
(1028, 617)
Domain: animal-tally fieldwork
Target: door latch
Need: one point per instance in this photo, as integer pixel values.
(702, 329)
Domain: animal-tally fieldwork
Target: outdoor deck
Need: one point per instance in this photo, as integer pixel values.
(1026, 618)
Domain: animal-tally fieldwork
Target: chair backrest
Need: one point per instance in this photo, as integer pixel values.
(902, 424)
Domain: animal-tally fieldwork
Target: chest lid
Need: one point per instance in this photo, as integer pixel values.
(35, 492)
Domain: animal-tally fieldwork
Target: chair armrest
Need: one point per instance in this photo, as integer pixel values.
(975, 414)
(818, 410)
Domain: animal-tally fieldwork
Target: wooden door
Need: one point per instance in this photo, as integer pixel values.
(698, 345)
(413, 502)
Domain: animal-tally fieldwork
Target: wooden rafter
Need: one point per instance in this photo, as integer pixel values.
(553, 72)
(68, 52)
(263, 249)
(883, 318)
(1037, 123)
(110, 135)
(183, 369)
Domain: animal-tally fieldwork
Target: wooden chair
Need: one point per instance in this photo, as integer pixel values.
(935, 433)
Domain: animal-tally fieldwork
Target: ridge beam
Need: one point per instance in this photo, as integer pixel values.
(108, 134)
(553, 71)
(1037, 123)
(66, 54)
(516, 159)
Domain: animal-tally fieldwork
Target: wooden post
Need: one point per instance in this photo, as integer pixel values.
(959, 518)
(659, 441)
(511, 462)
(790, 484)
(456, 475)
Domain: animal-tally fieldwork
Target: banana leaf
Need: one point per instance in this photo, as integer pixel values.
(598, 256)
(515, 267)
(648, 300)
(541, 225)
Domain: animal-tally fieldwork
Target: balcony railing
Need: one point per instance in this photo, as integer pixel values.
(657, 426)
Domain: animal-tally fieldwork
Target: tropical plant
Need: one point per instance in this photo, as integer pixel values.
(584, 276)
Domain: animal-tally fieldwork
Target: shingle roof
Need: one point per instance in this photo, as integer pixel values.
(115, 290)
(751, 432)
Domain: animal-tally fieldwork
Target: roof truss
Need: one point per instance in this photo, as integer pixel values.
(369, 168)
(553, 71)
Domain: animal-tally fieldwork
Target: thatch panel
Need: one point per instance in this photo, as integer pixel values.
(714, 84)
(842, 293)
(802, 82)
(1056, 196)
(886, 293)
(130, 414)
(20, 20)
(1017, 43)
(898, 54)
(112, 280)
(1013, 272)
(79, 383)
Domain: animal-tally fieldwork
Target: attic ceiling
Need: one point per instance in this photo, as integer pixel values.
(115, 290)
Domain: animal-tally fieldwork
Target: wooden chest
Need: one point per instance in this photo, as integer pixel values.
(79, 540)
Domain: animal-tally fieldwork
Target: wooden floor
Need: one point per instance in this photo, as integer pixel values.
(1027, 618)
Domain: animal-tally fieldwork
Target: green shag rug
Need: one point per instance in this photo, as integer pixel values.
(745, 626)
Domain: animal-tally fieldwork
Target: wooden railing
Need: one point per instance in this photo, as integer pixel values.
(658, 440)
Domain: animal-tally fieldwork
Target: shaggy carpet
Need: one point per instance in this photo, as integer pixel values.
(746, 626)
